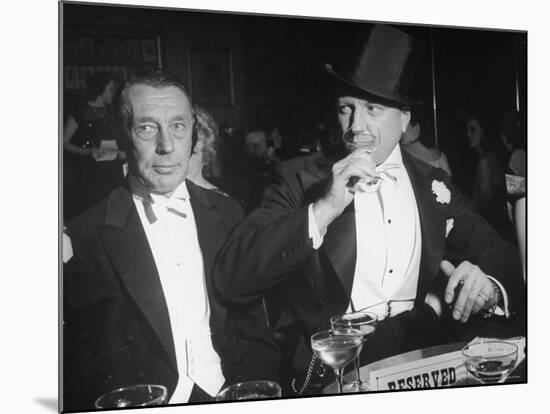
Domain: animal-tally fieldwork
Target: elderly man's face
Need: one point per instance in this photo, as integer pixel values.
(356, 114)
(161, 136)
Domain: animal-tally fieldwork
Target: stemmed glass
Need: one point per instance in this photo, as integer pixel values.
(337, 348)
(141, 395)
(490, 361)
(251, 390)
(364, 322)
(367, 139)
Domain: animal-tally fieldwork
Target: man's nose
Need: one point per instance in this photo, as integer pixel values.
(165, 142)
(359, 119)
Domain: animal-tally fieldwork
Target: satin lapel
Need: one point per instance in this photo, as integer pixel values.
(432, 220)
(340, 245)
(126, 244)
(211, 234)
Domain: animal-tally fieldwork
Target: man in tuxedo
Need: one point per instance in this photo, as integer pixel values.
(139, 305)
(374, 229)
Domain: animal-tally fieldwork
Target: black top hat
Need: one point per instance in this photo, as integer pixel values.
(382, 66)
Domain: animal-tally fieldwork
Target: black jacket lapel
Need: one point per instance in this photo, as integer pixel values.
(126, 243)
(432, 221)
(210, 226)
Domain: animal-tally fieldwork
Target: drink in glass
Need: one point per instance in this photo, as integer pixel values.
(337, 348)
(490, 361)
(141, 395)
(365, 323)
(251, 390)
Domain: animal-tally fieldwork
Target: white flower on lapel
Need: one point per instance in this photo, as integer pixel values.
(441, 192)
(449, 227)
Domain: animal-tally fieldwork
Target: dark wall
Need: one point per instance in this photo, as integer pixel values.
(278, 63)
(180, 32)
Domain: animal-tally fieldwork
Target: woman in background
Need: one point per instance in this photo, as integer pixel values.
(204, 159)
(489, 187)
(513, 139)
(86, 181)
(412, 143)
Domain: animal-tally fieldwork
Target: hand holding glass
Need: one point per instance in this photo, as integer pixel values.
(337, 348)
(367, 139)
(364, 322)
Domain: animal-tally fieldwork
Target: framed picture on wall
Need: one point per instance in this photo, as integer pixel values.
(212, 77)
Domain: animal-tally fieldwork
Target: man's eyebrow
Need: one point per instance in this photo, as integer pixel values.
(144, 119)
(186, 117)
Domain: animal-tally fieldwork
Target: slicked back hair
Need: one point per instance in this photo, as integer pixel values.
(156, 78)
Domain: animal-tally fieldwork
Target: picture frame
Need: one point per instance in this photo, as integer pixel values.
(212, 80)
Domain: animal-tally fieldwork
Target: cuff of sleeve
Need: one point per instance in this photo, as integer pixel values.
(504, 310)
(314, 233)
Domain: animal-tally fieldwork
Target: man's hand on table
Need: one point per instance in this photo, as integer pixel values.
(477, 293)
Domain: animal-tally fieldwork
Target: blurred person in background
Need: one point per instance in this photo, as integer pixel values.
(412, 142)
(489, 187)
(85, 180)
(514, 141)
(204, 160)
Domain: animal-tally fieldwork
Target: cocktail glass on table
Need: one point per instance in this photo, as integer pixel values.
(364, 322)
(337, 348)
(251, 390)
(141, 395)
(490, 361)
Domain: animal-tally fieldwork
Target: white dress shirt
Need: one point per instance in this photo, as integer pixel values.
(171, 231)
(389, 243)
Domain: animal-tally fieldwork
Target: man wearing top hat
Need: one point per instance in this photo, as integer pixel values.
(374, 229)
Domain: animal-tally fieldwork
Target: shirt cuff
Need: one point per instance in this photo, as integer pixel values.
(314, 233)
(500, 311)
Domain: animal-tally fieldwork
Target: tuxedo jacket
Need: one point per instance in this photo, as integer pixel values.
(273, 253)
(116, 324)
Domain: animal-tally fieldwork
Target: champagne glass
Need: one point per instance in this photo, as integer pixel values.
(364, 322)
(337, 348)
(251, 390)
(141, 395)
(367, 139)
(490, 361)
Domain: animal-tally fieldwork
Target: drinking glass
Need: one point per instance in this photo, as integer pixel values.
(490, 361)
(367, 139)
(337, 348)
(364, 322)
(251, 390)
(141, 395)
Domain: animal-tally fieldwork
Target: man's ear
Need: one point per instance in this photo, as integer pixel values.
(405, 119)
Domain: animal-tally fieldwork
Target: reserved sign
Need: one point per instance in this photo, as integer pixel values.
(444, 370)
(435, 372)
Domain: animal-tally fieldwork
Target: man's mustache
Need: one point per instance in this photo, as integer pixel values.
(358, 136)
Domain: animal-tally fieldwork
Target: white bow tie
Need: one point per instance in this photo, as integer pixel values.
(385, 172)
(161, 205)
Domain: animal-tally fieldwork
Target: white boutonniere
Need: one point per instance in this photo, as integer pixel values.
(449, 226)
(441, 192)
